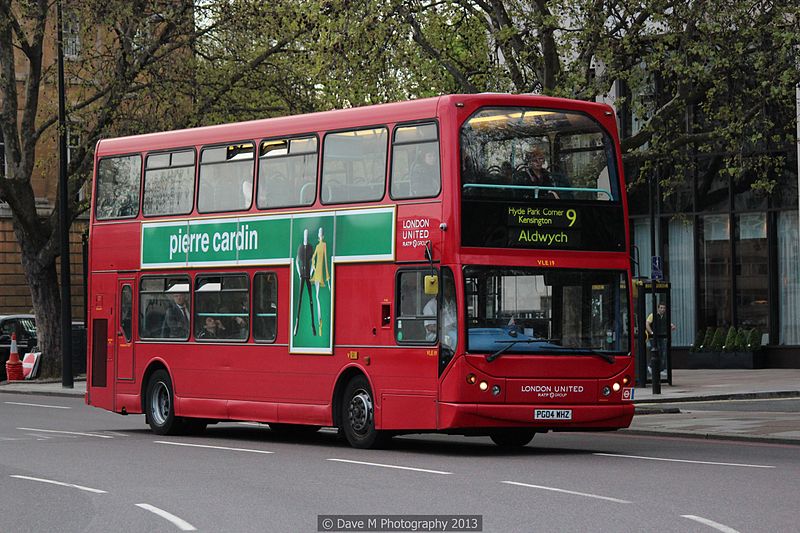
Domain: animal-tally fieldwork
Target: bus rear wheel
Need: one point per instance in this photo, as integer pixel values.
(358, 416)
(512, 438)
(160, 405)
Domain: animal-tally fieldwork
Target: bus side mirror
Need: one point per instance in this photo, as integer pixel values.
(432, 285)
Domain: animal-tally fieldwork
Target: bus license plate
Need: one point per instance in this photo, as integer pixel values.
(552, 414)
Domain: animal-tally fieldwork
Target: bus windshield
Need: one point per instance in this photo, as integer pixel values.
(516, 153)
(530, 310)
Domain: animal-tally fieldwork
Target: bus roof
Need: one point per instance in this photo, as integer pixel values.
(325, 120)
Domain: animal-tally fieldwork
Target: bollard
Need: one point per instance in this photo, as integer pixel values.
(14, 365)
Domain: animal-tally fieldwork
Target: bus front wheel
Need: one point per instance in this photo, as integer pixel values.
(160, 405)
(512, 438)
(358, 416)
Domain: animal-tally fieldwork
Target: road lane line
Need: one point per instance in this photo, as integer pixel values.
(182, 524)
(391, 466)
(710, 523)
(68, 433)
(585, 494)
(681, 460)
(39, 405)
(61, 483)
(248, 450)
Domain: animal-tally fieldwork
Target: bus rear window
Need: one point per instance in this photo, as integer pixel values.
(118, 187)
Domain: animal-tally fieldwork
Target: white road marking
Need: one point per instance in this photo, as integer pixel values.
(182, 524)
(391, 466)
(710, 523)
(39, 405)
(682, 460)
(68, 433)
(585, 494)
(61, 483)
(248, 450)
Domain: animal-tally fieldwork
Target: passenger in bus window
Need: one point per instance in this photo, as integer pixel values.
(209, 330)
(430, 309)
(176, 319)
(535, 174)
(449, 317)
(425, 173)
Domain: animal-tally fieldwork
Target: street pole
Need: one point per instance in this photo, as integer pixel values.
(63, 212)
(655, 367)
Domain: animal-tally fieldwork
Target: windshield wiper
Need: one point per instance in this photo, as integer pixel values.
(498, 353)
(607, 356)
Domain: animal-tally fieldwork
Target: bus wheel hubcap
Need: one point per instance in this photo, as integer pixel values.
(160, 404)
(360, 412)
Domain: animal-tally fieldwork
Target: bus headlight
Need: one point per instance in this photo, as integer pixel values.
(483, 385)
(616, 387)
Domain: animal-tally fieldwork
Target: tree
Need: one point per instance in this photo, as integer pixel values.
(712, 79)
(137, 73)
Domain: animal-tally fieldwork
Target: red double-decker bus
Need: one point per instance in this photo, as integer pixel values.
(456, 264)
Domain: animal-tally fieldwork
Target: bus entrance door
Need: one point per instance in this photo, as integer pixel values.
(123, 330)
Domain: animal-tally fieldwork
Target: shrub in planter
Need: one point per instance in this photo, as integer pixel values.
(730, 341)
(741, 340)
(709, 336)
(754, 340)
(718, 341)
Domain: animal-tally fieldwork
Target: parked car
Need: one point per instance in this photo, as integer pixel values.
(25, 328)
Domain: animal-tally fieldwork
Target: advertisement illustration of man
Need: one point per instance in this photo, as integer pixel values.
(302, 264)
(319, 262)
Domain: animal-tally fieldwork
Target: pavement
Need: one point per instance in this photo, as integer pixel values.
(669, 413)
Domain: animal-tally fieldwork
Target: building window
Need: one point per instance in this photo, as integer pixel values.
(788, 278)
(681, 275)
(71, 35)
(752, 271)
(715, 274)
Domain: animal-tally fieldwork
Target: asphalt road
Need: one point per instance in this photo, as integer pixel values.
(68, 467)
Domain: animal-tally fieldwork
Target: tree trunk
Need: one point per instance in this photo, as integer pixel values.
(43, 282)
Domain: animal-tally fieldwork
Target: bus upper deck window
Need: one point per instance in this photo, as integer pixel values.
(226, 178)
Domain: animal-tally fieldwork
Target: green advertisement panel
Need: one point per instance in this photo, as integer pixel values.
(311, 243)
(312, 284)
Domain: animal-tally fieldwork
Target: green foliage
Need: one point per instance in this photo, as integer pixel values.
(708, 339)
(754, 340)
(741, 340)
(718, 341)
(730, 340)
